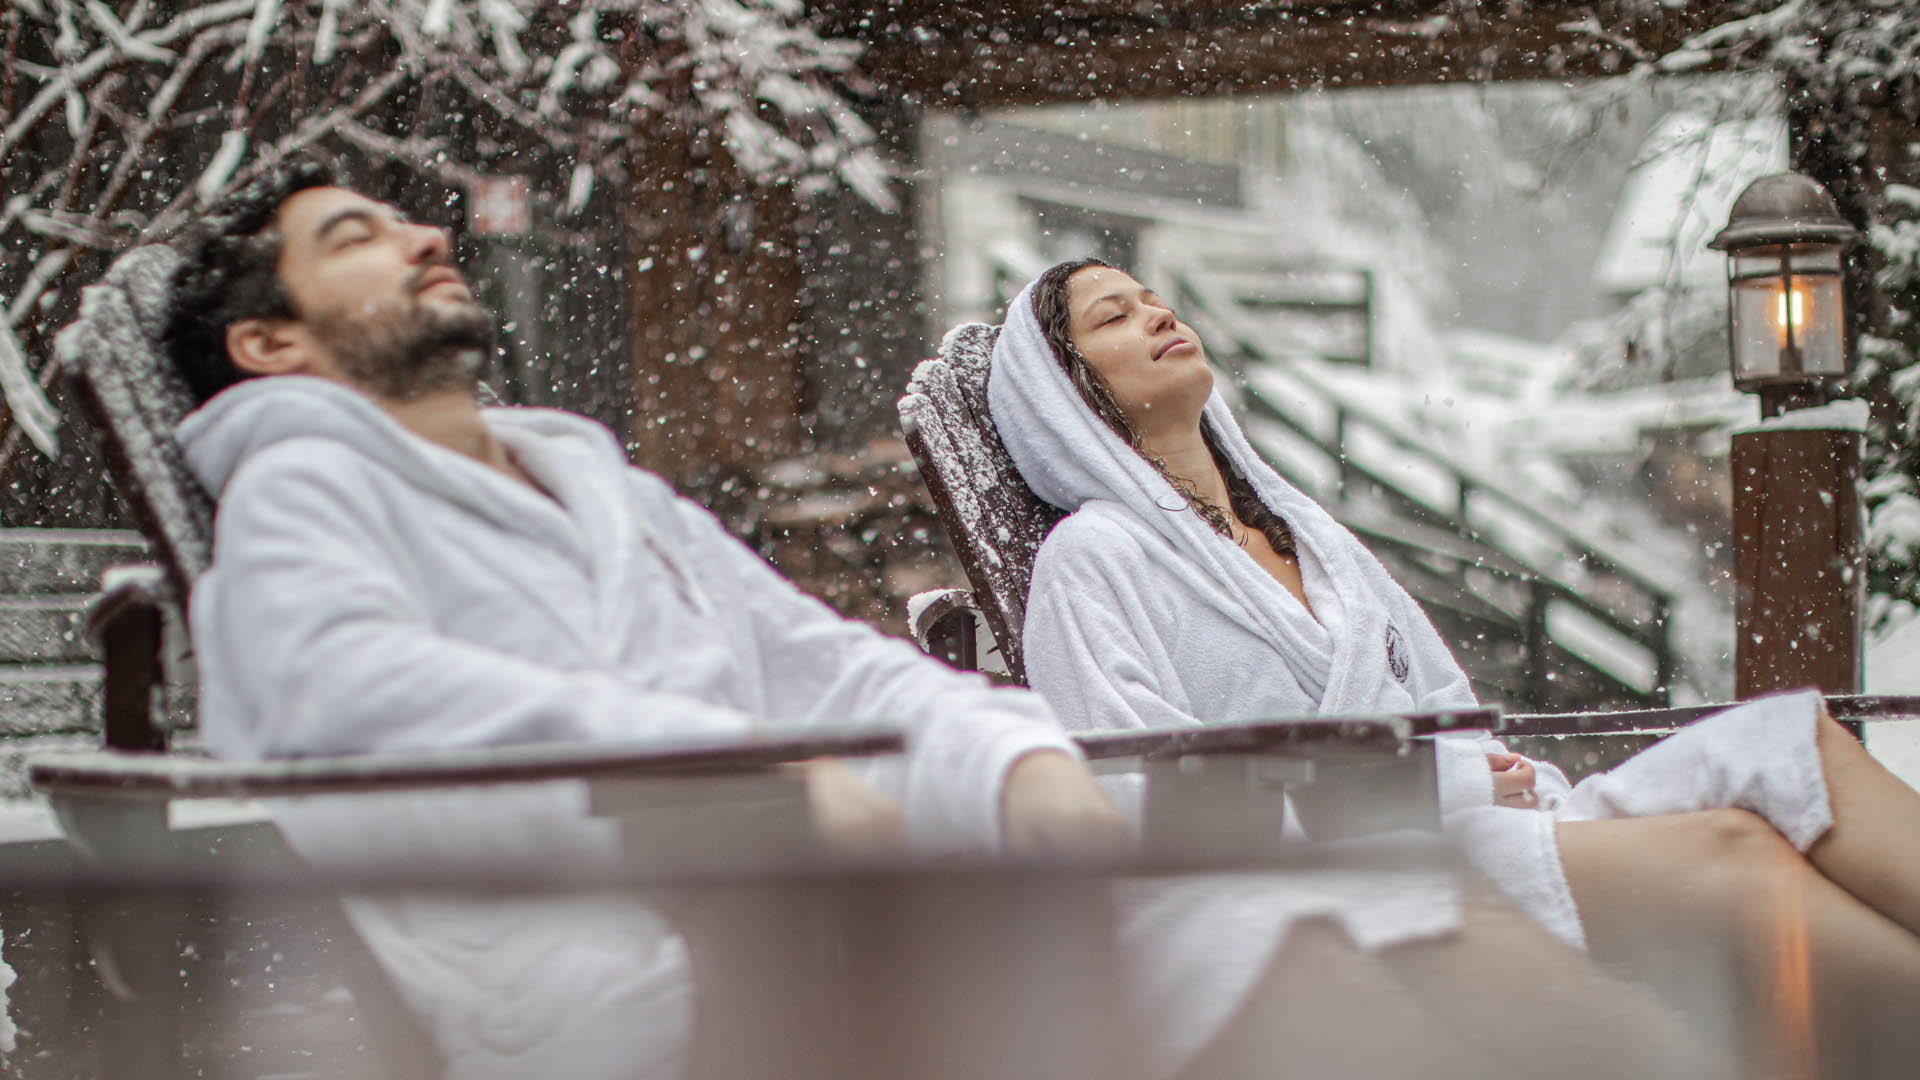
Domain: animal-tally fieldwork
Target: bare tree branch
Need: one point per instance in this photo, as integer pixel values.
(455, 91)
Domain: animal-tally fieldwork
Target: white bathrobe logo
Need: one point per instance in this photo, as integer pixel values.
(1397, 653)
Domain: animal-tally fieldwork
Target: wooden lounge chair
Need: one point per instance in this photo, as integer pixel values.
(996, 525)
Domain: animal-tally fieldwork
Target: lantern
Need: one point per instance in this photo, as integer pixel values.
(1785, 243)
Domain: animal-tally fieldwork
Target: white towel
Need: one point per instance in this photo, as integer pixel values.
(1762, 756)
(1193, 948)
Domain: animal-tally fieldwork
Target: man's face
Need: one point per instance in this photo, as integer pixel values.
(380, 304)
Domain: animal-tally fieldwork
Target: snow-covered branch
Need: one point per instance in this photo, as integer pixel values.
(118, 121)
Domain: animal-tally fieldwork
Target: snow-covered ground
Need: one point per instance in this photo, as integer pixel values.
(1893, 667)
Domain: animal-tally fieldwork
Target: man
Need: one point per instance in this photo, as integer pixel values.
(398, 569)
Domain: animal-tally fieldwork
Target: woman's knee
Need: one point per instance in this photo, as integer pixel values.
(1742, 834)
(1747, 857)
(1741, 841)
(1321, 946)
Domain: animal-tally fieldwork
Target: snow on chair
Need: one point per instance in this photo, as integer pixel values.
(993, 520)
(996, 525)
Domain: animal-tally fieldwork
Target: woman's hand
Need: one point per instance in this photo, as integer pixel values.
(1512, 780)
(1051, 805)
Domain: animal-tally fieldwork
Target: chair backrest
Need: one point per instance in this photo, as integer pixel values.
(113, 358)
(995, 522)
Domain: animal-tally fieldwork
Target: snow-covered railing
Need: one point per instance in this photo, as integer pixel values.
(1528, 555)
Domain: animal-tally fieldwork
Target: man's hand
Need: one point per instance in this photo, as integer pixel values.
(1052, 806)
(1512, 780)
(851, 816)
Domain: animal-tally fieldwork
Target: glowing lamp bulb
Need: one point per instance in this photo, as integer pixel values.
(1790, 310)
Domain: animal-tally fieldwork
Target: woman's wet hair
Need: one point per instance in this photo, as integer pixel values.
(1051, 309)
(1056, 325)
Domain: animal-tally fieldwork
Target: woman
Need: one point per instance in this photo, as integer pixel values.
(1191, 584)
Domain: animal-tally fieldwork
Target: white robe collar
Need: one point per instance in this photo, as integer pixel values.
(1070, 458)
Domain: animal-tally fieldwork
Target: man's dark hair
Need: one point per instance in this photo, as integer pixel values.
(230, 272)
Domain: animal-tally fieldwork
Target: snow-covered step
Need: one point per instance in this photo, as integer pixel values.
(15, 750)
(40, 561)
(42, 699)
(44, 630)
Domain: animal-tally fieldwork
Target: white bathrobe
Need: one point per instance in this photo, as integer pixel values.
(373, 591)
(1140, 615)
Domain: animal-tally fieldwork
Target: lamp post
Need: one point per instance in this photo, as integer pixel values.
(1796, 506)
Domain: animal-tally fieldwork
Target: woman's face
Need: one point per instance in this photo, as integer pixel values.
(1151, 361)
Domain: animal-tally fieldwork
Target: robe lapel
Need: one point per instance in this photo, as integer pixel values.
(1250, 596)
(598, 529)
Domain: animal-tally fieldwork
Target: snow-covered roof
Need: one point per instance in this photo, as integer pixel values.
(1690, 171)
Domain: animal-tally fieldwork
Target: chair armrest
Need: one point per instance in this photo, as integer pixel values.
(1850, 709)
(124, 622)
(124, 590)
(945, 624)
(161, 777)
(1485, 718)
(1308, 736)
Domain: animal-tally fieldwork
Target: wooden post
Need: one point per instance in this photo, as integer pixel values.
(714, 291)
(1797, 548)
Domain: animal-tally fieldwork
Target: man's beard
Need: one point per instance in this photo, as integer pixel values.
(405, 355)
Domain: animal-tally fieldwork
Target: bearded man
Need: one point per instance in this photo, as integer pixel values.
(400, 569)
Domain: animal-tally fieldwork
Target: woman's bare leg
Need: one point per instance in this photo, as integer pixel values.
(1873, 849)
(1717, 909)
(1544, 1007)
(1325, 1009)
